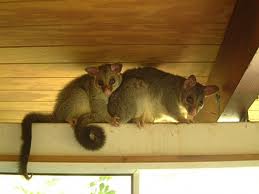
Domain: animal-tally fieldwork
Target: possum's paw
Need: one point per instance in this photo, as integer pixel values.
(140, 121)
(115, 121)
(72, 122)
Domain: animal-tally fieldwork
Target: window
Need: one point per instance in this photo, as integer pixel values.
(58, 184)
(241, 180)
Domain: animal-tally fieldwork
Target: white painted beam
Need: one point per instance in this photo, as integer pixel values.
(128, 140)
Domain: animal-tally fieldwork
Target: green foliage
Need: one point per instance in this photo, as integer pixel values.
(101, 186)
(52, 182)
(26, 191)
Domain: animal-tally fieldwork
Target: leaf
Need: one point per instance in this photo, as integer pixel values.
(106, 188)
(52, 182)
(111, 192)
(92, 184)
(101, 186)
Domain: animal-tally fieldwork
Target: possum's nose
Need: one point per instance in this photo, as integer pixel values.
(107, 91)
(192, 111)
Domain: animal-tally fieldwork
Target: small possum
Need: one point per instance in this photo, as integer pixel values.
(84, 100)
(147, 93)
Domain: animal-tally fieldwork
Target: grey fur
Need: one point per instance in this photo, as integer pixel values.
(147, 93)
(83, 101)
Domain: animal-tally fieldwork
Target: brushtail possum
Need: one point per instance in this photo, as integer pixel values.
(83, 100)
(147, 93)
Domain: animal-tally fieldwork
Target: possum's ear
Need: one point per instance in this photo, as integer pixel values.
(92, 70)
(210, 90)
(190, 82)
(116, 67)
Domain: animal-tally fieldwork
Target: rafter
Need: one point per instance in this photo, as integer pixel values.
(239, 46)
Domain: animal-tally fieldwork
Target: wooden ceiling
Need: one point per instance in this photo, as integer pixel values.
(46, 43)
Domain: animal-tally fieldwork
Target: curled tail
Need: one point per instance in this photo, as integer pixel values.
(27, 137)
(90, 137)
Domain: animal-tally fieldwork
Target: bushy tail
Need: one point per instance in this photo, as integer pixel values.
(90, 137)
(27, 137)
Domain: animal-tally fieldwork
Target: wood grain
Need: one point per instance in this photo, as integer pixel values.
(44, 84)
(15, 84)
(235, 55)
(10, 121)
(138, 34)
(77, 69)
(27, 106)
(114, 11)
(45, 44)
(28, 96)
(110, 53)
(246, 91)
(9, 116)
(136, 159)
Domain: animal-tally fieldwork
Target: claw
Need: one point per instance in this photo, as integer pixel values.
(115, 121)
(140, 122)
(72, 122)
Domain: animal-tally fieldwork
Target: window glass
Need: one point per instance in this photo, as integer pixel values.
(44, 184)
(243, 180)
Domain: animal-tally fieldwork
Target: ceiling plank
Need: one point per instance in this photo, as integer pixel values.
(28, 96)
(236, 52)
(110, 53)
(44, 84)
(77, 69)
(27, 106)
(115, 12)
(8, 116)
(99, 34)
(25, 84)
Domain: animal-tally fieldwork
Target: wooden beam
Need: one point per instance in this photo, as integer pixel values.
(128, 147)
(135, 159)
(244, 95)
(236, 52)
(162, 142)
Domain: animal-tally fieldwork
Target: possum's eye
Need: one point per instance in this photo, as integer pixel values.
(100, 82)
(112, 81)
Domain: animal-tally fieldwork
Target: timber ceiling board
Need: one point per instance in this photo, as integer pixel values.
(129, 12)
(46, 43)
(64, 31)
(75, 22)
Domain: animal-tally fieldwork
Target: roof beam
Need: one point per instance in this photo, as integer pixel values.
(239, 46)
(244, 95)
